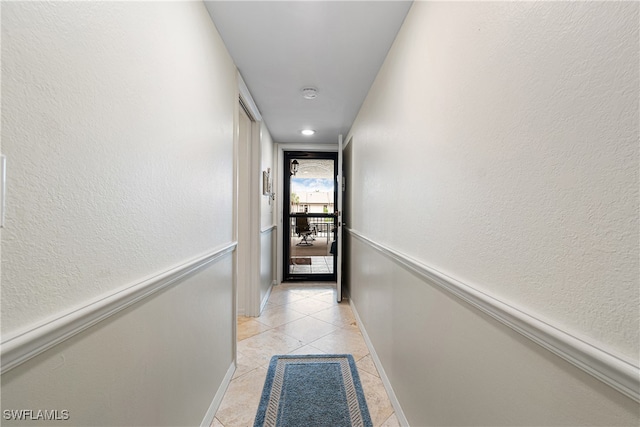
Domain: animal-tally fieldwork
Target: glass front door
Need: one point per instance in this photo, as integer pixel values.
(310, 216)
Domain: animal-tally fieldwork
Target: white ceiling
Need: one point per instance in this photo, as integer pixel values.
(282, 46)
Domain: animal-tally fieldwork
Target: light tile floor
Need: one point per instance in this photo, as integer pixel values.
(300, 318)
(319, 265)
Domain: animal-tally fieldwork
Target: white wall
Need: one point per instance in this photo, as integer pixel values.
(499, 145)
(267, 218)
(118, 127)
(157, 363)
(267, 207)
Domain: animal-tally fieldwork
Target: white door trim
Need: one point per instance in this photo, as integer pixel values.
(249, 218)
(248, 99)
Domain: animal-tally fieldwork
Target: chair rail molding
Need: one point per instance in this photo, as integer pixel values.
(613, 370)
(268, 229)
(20, 346)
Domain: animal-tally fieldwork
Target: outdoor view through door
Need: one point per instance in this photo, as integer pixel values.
(310, 216)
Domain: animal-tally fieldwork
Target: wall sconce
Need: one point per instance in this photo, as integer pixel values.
(294, 167)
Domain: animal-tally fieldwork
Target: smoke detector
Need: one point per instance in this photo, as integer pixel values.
(309, 93)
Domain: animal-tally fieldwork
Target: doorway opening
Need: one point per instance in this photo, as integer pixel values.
(310, 216)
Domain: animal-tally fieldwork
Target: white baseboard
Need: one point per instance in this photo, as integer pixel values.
(614, 370)
(19, 346)
(383, 376)
(217, 399)
(264, 301)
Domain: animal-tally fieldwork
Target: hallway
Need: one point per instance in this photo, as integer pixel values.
(300, 318)
(489, 220)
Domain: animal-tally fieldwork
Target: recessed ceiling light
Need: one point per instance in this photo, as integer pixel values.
(309, 93)
(307, 132)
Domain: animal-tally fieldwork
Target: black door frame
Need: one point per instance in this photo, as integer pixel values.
(286, 211)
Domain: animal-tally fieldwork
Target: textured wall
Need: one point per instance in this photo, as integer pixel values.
(499, 144)
(117, 125)
(452, 365)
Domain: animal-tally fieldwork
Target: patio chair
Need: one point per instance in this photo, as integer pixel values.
(304, 231)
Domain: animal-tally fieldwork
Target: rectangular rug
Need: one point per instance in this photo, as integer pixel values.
(300, 261)
(313, 391)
